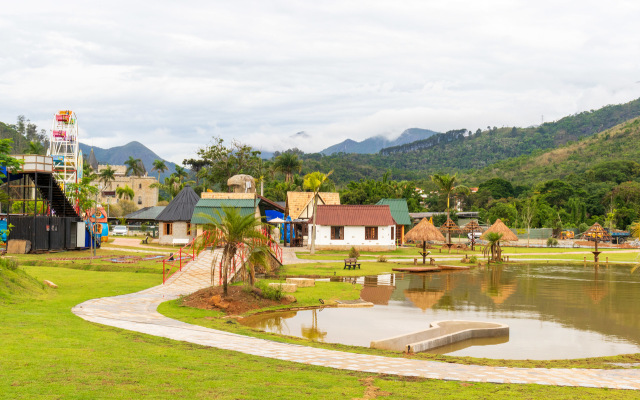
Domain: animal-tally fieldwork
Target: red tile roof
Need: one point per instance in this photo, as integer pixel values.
(348, 215)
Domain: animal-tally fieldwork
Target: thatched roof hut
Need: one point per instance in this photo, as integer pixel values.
(424, 232)
(597, 233)
(500, 227)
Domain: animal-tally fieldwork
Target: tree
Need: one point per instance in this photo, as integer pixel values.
(493, 246)
(6, 161)
(314, 181)
(107, 175)
(528, 211)
(134, 166)
(287, 163)
(125, 192)
(180, 173)
(447, 184)
(237, 232)
(160, 166)
(35, 147)
(224, 162)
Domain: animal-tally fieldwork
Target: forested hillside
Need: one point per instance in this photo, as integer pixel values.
(599, 157)
(461, 150)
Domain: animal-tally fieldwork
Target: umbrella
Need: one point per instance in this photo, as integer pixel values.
(276, 221)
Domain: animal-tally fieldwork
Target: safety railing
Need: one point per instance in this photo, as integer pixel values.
(188, 253)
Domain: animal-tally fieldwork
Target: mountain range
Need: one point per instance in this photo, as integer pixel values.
(119, 154)
(374, 144)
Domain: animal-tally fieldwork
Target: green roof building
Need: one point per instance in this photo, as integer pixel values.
(213, 208)
(400, 214)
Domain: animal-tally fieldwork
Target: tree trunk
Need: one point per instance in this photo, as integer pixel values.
(312, 250)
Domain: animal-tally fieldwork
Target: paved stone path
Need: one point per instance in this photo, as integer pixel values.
(138, 312)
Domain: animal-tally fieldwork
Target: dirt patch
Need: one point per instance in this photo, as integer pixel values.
(237, 301)
(370, 391)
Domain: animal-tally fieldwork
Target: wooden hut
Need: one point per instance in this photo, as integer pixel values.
(448, 228)
(472, 227)
(424, 231)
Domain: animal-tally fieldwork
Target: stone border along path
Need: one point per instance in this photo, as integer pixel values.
(138, 312)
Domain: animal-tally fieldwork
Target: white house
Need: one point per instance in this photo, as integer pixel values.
(367, 228)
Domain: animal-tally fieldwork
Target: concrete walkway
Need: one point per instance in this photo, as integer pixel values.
(137, 312)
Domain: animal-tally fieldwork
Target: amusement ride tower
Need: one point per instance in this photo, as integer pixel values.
(64, 148)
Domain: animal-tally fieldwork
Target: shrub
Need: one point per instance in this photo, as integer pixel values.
(353, 253)
(382, 258)
(267, 292)
(551, 242)
(9, 264)
(473, 259)
(583, 227)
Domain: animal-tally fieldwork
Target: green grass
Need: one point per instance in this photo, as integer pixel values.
(47, 352)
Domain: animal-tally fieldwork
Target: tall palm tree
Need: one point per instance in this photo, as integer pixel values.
(447, 184)
(160, 166)
(314, 182)
(493, 246)
(125, 192)
(287, 163)
(107, 175)
(180, 173)
(237, 232)
(134, 166)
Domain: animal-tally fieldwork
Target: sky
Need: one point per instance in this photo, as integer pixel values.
(173, 75)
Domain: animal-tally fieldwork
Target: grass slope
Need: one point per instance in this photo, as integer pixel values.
(15, 283)
(49, 353)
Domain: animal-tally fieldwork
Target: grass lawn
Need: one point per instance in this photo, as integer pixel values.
(47, 352)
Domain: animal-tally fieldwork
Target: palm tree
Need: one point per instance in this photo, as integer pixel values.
(493, 246)
(447, 184)
(160, 166)
(237, 232)
(107, 175)
(35, 148)
(180, 173)
(171, 186)
(134, 166)
(314, 181)
(287, 163)
(126, 192)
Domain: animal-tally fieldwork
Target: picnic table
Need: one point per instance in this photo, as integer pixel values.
(351, 263)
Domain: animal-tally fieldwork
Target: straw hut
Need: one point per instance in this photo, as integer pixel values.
(598, 234)
(500, 227)
(424, 231)
(423, 299)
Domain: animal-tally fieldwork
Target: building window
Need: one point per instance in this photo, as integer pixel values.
(139, 199)
(393, 228)
(337, 232)
(140, 186)
(188, 229)
(371, 233)
(168, 228)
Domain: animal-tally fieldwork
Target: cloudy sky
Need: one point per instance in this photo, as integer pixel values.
(174, 74)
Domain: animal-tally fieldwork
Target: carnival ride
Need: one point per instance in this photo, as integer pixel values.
(64, 148)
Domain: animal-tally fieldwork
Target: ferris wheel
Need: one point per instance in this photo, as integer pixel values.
(64, 148)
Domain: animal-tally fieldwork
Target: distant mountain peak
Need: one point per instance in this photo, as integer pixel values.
(374, 144)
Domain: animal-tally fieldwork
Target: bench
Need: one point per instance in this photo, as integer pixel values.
(180, 242)
(351, 263)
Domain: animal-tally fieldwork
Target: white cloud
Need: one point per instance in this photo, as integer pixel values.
(172, 75)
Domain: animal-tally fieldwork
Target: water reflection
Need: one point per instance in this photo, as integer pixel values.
(553, 311)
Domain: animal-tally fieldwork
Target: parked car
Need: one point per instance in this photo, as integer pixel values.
(121, 230)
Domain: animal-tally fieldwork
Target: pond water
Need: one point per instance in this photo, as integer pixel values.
(554, 312)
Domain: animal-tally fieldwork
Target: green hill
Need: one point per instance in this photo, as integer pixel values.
(460, 150)
(600, 156)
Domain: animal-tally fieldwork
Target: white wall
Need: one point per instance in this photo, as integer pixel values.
(354, 236)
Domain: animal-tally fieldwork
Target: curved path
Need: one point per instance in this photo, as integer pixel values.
(138, 312)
